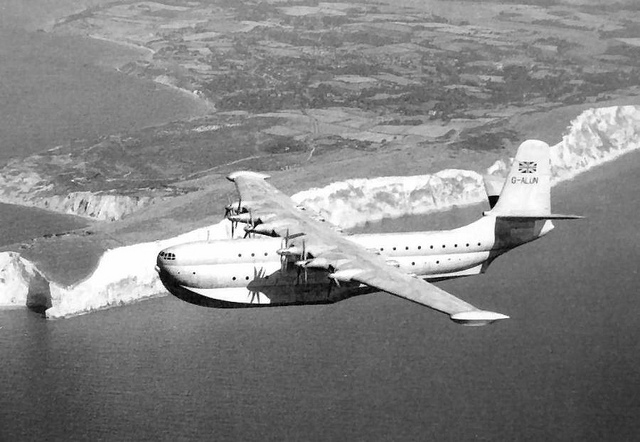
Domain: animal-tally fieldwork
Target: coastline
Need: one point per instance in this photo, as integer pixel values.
(160, 200)
(122, 275)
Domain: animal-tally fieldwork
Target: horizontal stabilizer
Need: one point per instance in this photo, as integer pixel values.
(476, 318)
(247, 174)
(515, 216)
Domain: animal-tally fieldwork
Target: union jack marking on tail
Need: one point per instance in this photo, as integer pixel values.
(527, 166)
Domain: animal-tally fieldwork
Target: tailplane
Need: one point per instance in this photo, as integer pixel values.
(527, 190)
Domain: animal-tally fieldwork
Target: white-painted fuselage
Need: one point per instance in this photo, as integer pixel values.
(250, 272)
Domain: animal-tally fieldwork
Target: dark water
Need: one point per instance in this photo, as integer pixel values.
(565, 367)
(18, 223)
(54, 90)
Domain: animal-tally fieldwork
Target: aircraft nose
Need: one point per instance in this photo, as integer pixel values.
(165, 257)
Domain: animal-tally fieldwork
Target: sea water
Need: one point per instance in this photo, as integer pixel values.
(376, 367)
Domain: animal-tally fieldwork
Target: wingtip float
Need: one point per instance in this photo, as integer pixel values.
(477, 318)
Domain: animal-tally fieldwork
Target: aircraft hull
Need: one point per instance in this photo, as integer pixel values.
(252, 295)
(237, 273)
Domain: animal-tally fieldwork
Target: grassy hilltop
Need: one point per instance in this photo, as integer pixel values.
(314, 92)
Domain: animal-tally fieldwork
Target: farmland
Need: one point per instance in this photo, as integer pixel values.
(314, 92)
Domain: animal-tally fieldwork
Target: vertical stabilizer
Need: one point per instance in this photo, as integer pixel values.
(527, 189)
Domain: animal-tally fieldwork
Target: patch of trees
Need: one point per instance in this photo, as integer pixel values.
(488, 141)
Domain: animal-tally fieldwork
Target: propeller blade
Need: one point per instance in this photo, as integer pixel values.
(283, 263)
(304, 258)
(283, 256)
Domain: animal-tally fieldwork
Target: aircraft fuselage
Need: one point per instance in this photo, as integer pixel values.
(250, 272)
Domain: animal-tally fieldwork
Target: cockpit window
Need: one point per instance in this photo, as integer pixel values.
(167, 256)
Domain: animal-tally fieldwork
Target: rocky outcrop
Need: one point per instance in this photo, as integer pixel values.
(21, 283)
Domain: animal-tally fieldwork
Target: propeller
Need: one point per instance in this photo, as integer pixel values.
(227, 208)
(231, 210)
(250, 226)
(283, 257)
(257, 274)
(331, 269)
(337, 283)
(303, 267)
(304, 258)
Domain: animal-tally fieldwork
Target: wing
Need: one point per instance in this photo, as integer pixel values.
(318, 246)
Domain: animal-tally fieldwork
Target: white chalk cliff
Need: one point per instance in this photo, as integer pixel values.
(127, 274)
(595, 136)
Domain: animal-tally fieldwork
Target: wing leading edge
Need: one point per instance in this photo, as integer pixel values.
(344, 260)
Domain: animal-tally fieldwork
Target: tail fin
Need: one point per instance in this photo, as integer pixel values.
(527, 189)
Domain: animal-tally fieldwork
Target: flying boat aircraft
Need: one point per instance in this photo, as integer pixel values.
(296, 257)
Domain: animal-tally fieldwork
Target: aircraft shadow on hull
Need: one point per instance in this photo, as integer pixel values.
(272, 292)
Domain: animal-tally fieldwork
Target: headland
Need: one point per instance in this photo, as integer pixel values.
(314, 93)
